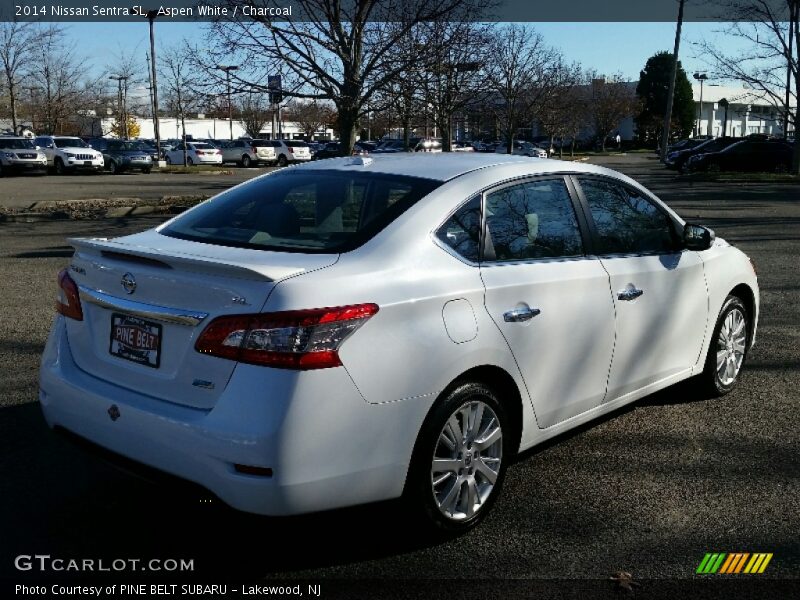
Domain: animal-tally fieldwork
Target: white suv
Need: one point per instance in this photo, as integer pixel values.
(66, 154)
(249, 152)
(19, 155)
(291, 151)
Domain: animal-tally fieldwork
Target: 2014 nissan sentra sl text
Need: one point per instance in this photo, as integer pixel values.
(360, 329)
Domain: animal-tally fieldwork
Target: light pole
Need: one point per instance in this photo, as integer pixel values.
(228, 69)
(701, 77)
(671, 92)
(151, 16)
(122, 80)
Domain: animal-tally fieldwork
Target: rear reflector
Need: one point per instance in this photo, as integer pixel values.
(68, 302)
(295, 339)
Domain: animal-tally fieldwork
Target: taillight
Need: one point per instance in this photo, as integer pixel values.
(290, 149)
(68, 302)
(295, 339)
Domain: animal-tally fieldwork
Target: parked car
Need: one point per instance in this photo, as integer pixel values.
(366, 328)
(197, 153)
(529, 149)
(428, 145)
(393, 146)
(745, 155)
(678, 158)
(66, 154)
(330, 150)
(123, 155)
(462, 147)
(247, 153)
(292, 151)
(19, 155)
(149, 146)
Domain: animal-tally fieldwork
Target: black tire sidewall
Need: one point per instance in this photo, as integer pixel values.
(246, 161)
(418, 492)
(710, 375)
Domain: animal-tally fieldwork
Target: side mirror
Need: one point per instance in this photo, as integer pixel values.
(697, 237)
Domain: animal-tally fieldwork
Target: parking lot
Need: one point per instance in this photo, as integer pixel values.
(649, 489)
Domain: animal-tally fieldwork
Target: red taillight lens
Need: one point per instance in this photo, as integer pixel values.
(296, 339)
(290, 149)
(68, 302)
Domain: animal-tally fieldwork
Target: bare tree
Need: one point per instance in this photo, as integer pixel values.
(17, 44)
(341, 51)
(563, 111)
(454, 79)
(58, 74)
(311, 116)
(180, 80)
(523, 77)
(611, 101)
(254, 113)
(771, 28)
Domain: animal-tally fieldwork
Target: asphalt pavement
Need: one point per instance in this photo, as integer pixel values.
(648, 489)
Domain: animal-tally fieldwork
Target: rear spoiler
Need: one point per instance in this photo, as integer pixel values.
(91, 249)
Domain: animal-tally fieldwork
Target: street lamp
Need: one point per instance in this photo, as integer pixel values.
(122, 98)
(701, 77)
(228, 69)
(151, 16)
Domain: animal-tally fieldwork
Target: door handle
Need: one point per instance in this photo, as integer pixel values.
(629, 294)
(520, 314)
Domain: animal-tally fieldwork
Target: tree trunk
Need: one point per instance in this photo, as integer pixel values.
(12, 98)
(444, 129)
(347, 121)
(406, 133)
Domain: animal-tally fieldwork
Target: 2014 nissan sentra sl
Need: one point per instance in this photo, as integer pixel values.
(360, 329)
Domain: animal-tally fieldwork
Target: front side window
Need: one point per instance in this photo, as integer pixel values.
(303, 211)
(461, 231)
(531, 220)
(626, 221)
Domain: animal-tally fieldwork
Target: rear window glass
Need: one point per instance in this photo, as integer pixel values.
(303, 211)
(261, 144)
(197, 146)
(294, 144)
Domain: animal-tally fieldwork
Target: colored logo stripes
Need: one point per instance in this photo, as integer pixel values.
(733, 563)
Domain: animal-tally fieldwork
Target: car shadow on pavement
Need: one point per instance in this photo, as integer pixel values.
(62, 501)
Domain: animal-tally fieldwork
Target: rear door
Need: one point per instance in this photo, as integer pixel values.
(658, 289)
(549, 298)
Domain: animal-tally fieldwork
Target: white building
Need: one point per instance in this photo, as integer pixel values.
(749, 111)
(202, 128)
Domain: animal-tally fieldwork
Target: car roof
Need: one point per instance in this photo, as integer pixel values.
(445, 166)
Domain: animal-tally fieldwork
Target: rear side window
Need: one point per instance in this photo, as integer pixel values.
(303, 211)
(532, 220)
(461, 232)
(626, 221)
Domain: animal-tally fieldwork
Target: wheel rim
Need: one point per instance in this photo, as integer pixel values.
(246, 161)
(466, 460)
(730, 346)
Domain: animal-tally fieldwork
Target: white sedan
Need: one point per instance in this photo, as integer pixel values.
(197, 153)
(359, 329)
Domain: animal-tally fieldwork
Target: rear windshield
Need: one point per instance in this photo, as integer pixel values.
(261, 144)
(201, 146)
(302, 211)
(294, 144)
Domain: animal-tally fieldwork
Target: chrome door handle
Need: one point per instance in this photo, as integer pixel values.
(630, 294)
(520, 314)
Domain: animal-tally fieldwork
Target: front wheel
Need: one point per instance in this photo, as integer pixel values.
(59, 166)
(245, 161)
(728, 348)
(282, 162)
(460, 458)
(113, 168)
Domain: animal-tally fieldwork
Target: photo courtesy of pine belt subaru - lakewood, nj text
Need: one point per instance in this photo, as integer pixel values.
(358, 329)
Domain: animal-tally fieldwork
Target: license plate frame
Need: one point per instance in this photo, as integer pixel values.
(136, 340)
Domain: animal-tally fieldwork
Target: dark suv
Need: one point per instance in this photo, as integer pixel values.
(123, 155)
(752, 154)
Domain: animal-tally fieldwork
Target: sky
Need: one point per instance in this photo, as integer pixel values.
(608, 48)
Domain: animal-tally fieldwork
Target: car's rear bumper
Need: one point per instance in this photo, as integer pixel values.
(327, 447)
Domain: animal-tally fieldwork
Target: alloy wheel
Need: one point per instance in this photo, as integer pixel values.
(731, 344)
(466, 460)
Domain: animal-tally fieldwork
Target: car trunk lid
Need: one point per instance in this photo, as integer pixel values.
(147, 298)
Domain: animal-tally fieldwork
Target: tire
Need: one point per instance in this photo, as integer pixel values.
(60, 169)
(189, 161)
(733, 319)
(456, 495)
(1, 169)
(112, 168)
(246, 161)
(282, 162)
(146, 171)
(168, 161)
